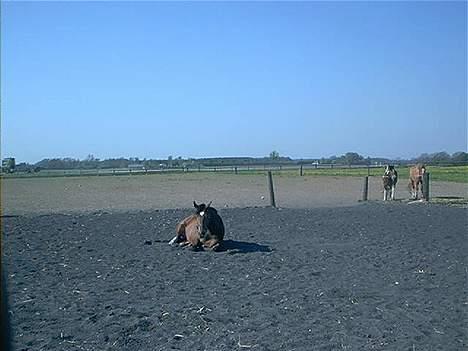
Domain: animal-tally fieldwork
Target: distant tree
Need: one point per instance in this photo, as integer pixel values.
(51, 163)
(274, 155)
(460, 157)
(24, 167)
(353, 158)
(115, 163)
(440, 157)
(90, 162)
(423, 158)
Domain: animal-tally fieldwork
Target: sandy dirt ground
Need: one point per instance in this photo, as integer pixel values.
(374, 276)
(170, 191)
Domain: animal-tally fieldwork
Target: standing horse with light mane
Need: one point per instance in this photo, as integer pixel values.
(415, 185)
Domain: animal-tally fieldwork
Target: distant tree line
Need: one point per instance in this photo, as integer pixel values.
(438, 158)
(443, 158)
(350, 158)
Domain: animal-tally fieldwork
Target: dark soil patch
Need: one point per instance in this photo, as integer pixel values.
(378, 276)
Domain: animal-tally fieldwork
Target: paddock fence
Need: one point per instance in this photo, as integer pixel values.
(247, 186)
(300, 169)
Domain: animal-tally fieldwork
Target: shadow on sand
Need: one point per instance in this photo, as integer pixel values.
(235, 247)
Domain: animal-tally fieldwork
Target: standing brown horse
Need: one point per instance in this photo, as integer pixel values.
(416, 175)
(203, 228)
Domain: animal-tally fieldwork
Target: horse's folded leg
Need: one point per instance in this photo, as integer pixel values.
(216, 247)
(212, 244)
(196, 247)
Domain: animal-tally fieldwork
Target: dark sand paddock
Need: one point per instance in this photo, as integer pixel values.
(383, 276)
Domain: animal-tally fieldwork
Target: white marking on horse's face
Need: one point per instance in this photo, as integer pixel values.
(202, 213)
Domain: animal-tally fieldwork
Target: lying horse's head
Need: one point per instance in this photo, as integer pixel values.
(204, 214)
(202, 207)
(211, 227)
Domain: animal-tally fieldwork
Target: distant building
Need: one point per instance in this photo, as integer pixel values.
(8, 165)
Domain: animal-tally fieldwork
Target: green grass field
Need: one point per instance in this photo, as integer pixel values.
(457, 174)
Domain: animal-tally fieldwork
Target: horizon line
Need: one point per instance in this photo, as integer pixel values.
(397, 158)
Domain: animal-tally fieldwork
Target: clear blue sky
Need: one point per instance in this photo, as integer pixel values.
(199, 79)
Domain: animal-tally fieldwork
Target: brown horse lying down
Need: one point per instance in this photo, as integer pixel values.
(203, 228)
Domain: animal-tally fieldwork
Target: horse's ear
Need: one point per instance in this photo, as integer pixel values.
(195, 205)
(209, 204)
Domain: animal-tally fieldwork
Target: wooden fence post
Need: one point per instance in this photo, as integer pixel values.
(300, 172)
(426, 186)
(235, 170)
(270, 187)
(365, 189)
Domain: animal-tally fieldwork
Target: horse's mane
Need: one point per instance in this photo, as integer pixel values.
(212, 210)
